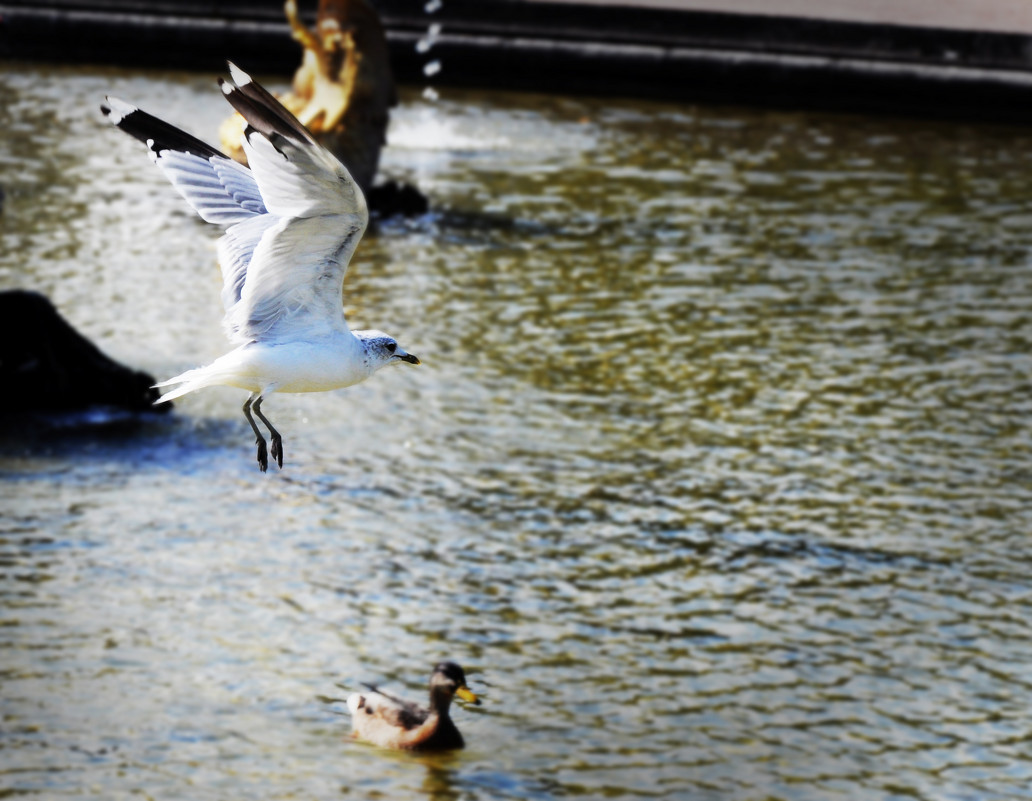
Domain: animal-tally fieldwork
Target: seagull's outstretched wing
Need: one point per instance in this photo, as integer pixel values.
(220, 190)
(293, 220)
(294, 280)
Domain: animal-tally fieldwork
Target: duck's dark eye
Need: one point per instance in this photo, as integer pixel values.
(391, 347)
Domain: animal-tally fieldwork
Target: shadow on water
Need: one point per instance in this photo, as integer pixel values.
(447, 776)
(745, 551)
(459, 226)
(129, 440)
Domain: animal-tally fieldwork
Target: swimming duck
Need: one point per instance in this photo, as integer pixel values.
(391, 722)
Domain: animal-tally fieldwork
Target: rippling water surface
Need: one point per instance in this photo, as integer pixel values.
(717, 474)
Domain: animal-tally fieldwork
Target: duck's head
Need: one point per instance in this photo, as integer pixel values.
(449, 680)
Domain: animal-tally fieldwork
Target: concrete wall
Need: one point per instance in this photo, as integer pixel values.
(655, 49)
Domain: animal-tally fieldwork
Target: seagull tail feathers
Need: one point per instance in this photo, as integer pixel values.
(189, 381)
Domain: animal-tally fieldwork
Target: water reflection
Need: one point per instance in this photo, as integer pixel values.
(716, 474)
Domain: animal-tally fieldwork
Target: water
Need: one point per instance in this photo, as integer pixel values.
(716, 477)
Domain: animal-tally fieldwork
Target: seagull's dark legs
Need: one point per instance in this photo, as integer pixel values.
(263, 456)
(277, 440)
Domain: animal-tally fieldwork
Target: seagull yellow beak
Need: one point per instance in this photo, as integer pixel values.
(464, 692)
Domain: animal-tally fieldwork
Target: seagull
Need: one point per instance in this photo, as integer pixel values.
(292, 222)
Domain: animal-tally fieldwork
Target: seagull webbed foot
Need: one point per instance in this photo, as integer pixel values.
(263, 454)
(277, 449)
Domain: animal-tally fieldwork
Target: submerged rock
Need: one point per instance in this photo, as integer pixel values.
(48, 366)
(390, 198)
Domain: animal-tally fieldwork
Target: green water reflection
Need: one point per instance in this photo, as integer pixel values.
(716, 475)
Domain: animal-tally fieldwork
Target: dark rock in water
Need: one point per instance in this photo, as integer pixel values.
(47, 366)
(390, 198)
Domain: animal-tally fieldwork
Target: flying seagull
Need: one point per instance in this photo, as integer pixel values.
(292, 223)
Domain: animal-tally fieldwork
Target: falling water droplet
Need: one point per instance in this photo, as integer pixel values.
(428, 41)
(423, 46)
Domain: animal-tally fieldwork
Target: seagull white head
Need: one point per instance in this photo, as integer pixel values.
(382, 350)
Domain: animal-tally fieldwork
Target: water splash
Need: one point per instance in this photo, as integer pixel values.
(426, 44)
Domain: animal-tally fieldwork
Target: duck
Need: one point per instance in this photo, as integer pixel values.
(391, 722)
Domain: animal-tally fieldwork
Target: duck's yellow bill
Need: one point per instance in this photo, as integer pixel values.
(466, 695)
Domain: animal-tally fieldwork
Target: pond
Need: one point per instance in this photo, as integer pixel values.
(716, 475)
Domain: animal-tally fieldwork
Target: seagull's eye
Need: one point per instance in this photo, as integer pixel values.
(391, 346)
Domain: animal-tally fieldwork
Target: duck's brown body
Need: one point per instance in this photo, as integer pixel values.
(391, 728)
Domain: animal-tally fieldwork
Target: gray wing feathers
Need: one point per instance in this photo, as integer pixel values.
(235, 250)
(303, 180)
(240, 183)
(293, 281)
(221, 191)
